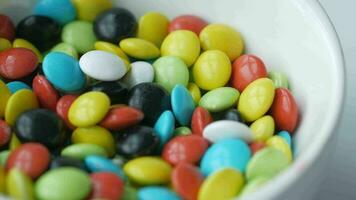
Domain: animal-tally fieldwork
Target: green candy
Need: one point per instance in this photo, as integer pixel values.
(219, 99)
(3, 157)
(170, 71)
(63, 183)
(254, 184)
(79, 34)
(279, 79)
(83, 150)
(66, 48)
(130, 193)
(19, 185)
(266, 162)
(183, 130)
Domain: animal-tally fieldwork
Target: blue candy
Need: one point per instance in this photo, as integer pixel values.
(157, 193)
(229, 152)
(286, 136)
(164, 127)
(63, 72)
(62, 11)
(182, 104)
(101, 164)
(14, 86)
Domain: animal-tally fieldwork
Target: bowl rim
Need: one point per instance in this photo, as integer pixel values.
(304, 161)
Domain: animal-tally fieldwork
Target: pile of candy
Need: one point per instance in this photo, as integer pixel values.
(99, 106)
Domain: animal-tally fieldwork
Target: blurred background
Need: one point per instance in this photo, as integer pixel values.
(340, 177)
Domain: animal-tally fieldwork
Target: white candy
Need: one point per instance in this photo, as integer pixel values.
(102, 65)
(223, 129)
(141, 72)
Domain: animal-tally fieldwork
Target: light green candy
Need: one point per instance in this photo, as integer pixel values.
(266, 162)
(3, 157)
(19, 185)
(63, 183)
(82, 150)
(254, 184)
(66, 48)
(219, 99)
(279, 79)
(183, 130)
(170, 71)
(130, 193)
(79, 34)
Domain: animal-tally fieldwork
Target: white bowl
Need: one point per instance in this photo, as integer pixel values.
(292, 36)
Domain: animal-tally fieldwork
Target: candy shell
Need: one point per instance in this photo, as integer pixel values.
(222, 129)
(140, 72)
(63, 106)
(46, 94)
(3, 157)
(182, 131)
(233, 153)
(164, 127)
(82, 150)
(139, 48)
(89, 9)
(7, 28)
(63, 161)
(254, 184)
(15, 86)
(4, 44)
(106, 185)
(102, 65)
(286, 136)
(121, 117)
(14, 142)
(112, 48)
(187, 22)
(194, 92)
(182, 104)
(153, 26)
(256, 146)
(200, 119)
(65, 48)
(223, 184)
(62, 11)
(230, 114)
(157, 193)
(5, 133)
(5, 94)
(2, 180)
(102, 164)
(116, 91)
(219, 99)
(21, 43)
(279, 143)
(279, 79)
(263, 128)
(19, 185)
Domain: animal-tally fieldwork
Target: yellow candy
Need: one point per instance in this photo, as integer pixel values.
(212, 70)
(89, 9)
(148, 170)
(4, 44)
(195, 92)
(279, 143)
(4, 97)
(26, 44)
(19, 185)
(221, 185)
(14, 142)
(139, 48)
(256, 99)
(2, 180)
(184, 44)
(263, 128)
(112, 48)
(95, 135)
(89, 109)
(222, 37)
(23, 100)
(153, 27)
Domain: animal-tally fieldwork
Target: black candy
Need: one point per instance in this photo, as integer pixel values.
(116, 91)
(231, 114)
(114, 25)
(151, 98)
(41, 125)
(136, 141)
(67, 162)
(41, 31)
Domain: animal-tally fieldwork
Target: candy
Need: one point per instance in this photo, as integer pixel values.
(286, 136)
(3, 157)
(7, 28)
(280, 144)
(114, 25)
(17, 63)
(254, 184)
(183, 44)
(223, 184)
(5, 133)
(223, 129)
(45, 93)
(200, 119)
(121, 117)
(40, 125)
(31, 158)
(15, 86)
(82, 150)
(4, 43)
(41, 31)
(89, 9)
(141, 72)
(212, 70)
(263, 128)
(219, 99)
(100, 164)
(80, 35)
(14, 142)
(63, 183)
(157, 193)
(256, 99)
(187, 22)
(256, 146)
(194, 92)
(116, 91)
(106, 185)
(62, 108)
(153, 27)
(148, 170)
(16, 178)
(222, 37)
(231, 114)
(4, 97)
(2, 180)
(21, 43)
(182, 131)
(67, 162)
(279, 79)
(66, 48)
(164, 127)
(182, 104)
(112, 48)
(61, 11)
(229, 152)
(139, 48)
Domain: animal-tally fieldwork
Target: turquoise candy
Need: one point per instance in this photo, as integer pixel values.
(102, 164)
(164, 127)
(157, 193)
(62, 11)
(286, 136)
(63, 72)
(14, 86)
(182, 104)
(234, 153)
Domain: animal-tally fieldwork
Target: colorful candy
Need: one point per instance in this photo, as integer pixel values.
(80, 35)
(223, 129)
(153, 27)
(187, 22)
(7, 28)
(49, 8)
(219, 99)
(106, 185)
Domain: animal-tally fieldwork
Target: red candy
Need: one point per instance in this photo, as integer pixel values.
(284, 110)
(106, 185)
(17, 63)
(246, 69)
(5, 133)
(187, 149)
(31, 158)
(256, 146)
(7, 28)
(186, 180)
(45, 92)
(200, 119)
(63, 106)
(121, 117)
(187, 22)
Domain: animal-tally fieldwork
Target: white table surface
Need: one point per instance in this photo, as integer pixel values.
(340, 178)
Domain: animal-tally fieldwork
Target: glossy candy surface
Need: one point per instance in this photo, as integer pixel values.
(153, 26)
(46, 94)
(63, 106)
(140, 72)
(15, 86)
(82, 150)
(263, 128)
(139, 48)
(21, 43)
(164, 127)
(106, 185)
(116, 91)
(219, 99)
(16, 177)
(223, 129)
(121, 117)
(7, 28)
(182, 104)
(101, 164)
(200, 119)
(187, 22)
(5, 133)
(61, 11)
(80, 35)
(5, 94)
(89, 9)
(157, 193)
(67, 162)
